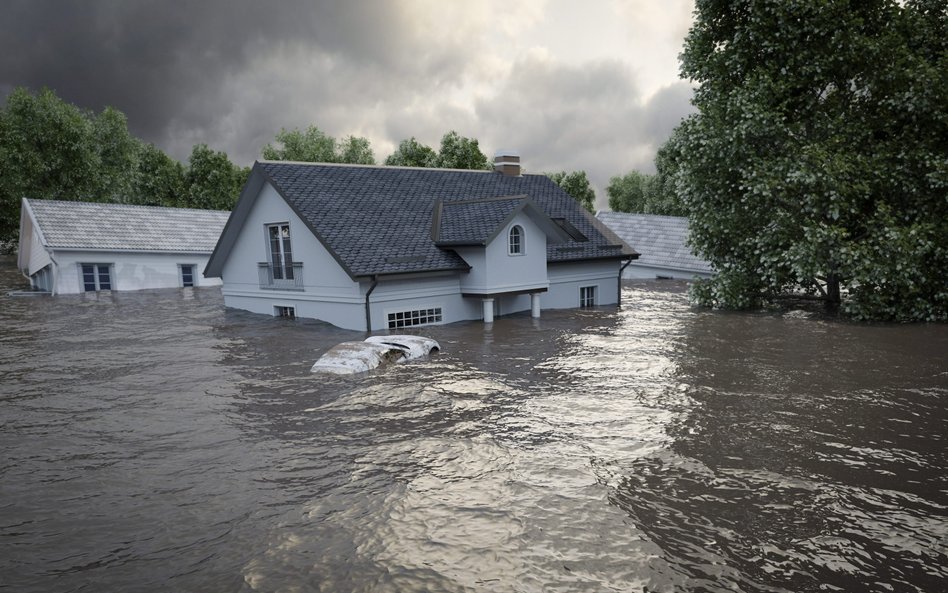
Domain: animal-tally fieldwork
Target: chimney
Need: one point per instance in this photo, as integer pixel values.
(507, 162)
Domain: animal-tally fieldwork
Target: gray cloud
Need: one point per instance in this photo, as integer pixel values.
(231, 73)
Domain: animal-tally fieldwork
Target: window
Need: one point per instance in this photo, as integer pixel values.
(412, 318)
(281, 255)
(287, 312)
(587, 296)
(515, 244)
(96, 277)
(187, 275)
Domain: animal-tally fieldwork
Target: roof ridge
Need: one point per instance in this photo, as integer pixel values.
(393, 167)
(485, 200)
(116, 205)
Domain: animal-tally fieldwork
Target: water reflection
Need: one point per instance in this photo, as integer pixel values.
(155, 441)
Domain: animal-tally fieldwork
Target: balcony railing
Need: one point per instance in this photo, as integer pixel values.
(267, 281)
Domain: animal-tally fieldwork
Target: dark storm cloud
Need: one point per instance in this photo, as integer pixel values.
(166, 63)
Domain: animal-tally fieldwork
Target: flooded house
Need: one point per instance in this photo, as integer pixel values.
(662, 242)
(377, 247)
(72, 247)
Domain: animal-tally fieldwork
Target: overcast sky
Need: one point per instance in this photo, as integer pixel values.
(570, 85)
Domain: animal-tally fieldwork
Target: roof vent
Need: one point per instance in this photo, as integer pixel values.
(507, 162)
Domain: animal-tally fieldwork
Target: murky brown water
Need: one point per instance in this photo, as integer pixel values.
(155, 442)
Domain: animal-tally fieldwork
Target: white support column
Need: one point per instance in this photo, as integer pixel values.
(535, 305)
(488, 310)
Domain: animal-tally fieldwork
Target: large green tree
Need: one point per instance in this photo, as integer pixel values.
(52, 149)
(212, 180)
(459, 152)
(650, 194)
(160, 180)
(817, 159)
(411, 153)
(576, 184)
(315, 146)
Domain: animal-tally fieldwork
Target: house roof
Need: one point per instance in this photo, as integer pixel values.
(123, 227)
(378, 220)
(477, 222)
(661, 240)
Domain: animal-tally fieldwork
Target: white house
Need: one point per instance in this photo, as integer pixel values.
(370, 247)
(73, 247)
(662, 242)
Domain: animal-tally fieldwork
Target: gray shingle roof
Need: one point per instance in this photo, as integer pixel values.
(123, 227)
(472, 222)
(661, 240)
(378, 220)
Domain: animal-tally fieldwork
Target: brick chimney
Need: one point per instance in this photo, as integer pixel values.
(507, 162)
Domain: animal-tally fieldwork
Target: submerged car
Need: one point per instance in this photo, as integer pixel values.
(349, 358)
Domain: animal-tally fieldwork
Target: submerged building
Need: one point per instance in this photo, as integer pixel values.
(376, 247)
(662, 242)
(73, 247)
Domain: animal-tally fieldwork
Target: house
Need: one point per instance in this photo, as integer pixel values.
(73, 247)
(662, 242)
(372, 247)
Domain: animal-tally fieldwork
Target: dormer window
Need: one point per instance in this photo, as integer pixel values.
(515, 244)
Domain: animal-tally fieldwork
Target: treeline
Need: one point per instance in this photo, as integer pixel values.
(51, 149)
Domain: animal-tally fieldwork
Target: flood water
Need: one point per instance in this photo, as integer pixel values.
(158, 442)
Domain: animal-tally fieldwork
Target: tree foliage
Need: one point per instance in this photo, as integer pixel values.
(411, 153)
(212, 181)
(51, 149)
(817, 159)
(650, 194)
(458, 152)
(315, 146)
(576, 184)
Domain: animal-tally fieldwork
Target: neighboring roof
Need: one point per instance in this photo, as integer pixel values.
(661, 240)
(378, 220)
(123, 227)
(477, 222)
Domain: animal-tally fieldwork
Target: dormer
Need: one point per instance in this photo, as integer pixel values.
(502, 239)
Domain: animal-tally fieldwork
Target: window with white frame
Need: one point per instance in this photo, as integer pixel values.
(515, 242)
(281, 252)
(587, 296)
(96, 277)
(414, 317)
(187, 274)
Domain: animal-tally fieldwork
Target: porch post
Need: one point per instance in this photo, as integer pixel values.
(488, 310)
(535, 305)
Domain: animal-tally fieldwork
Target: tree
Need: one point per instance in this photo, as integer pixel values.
(212, 181)
(628, 193)
(458, 152)
(315, 146)
(160, 180)
(411, 153)
(650, 194)
(816, 161)
(52, 149)
(576, 185)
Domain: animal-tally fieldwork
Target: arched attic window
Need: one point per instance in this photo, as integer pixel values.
(515, 243)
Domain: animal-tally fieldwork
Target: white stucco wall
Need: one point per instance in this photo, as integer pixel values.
(567, 279)
(328, 293)
(494, 270)
(444, 292)
(130, 270)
